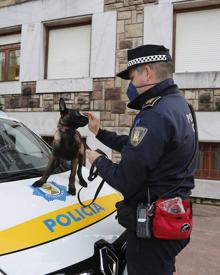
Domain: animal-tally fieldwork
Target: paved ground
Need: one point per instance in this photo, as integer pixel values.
(202, 255)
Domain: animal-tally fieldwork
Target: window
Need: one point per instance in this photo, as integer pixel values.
(9, 57)
(197, 39)
(22, 153)
(68, 52)
(209, 161)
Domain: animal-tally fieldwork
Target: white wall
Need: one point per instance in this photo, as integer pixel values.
(158, 29)
(158, 24)
(44, 10)
(32, 16)
(103, 44)
(209, 189)
(64, 85)
(31, 51)
(208, 126)
(206, 80)
(10, 87)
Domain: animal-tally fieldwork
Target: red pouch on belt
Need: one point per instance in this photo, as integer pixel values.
(172, 219)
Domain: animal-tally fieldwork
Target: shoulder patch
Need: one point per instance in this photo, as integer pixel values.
(137, 134)
(150, 102)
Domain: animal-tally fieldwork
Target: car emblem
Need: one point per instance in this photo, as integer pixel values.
(51, 191)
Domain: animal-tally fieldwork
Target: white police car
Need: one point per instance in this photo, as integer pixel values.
(45, 230)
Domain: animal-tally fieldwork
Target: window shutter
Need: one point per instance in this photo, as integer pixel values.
(198, 41)
(69, 52)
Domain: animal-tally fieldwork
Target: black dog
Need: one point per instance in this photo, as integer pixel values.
(67, 145)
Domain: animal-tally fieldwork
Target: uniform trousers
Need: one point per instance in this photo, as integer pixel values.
(152, 256)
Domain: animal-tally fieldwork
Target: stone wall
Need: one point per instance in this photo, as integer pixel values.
(203, 99)
(109, 94)
(4, 3)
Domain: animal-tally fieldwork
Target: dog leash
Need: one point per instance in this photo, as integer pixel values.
(93, 173)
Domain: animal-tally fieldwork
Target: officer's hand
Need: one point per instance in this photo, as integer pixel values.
(94, 122)
(92, 155)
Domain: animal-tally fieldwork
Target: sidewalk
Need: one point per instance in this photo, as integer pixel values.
(202, 255)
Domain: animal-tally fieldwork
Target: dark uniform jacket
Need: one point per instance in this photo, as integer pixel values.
(157, 151)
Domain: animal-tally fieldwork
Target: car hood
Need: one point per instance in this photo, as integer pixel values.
(33, 217)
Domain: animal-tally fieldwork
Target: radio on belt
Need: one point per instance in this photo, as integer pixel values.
(143, 229)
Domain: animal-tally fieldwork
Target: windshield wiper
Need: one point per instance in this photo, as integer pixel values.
(4, 147)
(21, 175)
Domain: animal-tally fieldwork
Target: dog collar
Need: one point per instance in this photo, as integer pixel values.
(63, 128)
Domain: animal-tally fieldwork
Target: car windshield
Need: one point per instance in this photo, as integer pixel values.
(22, 153)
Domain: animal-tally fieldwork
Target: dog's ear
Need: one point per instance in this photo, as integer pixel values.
(62, 105)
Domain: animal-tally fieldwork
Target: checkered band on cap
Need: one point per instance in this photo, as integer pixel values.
(147, 59)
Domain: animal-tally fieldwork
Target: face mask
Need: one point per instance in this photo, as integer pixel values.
(132, 90)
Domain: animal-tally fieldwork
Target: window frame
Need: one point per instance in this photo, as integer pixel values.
(184, 8)
(62, 25)
(6, 49)
(207, 148)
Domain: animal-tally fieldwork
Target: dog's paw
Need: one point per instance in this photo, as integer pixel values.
(72, 191)
(38, 183)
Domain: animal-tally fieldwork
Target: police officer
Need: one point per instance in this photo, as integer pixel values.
(156, 153)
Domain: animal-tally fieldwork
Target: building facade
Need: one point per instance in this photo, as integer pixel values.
(73, 49)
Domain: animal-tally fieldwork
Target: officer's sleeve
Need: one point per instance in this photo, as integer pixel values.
(140, 156)
(112, 140)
